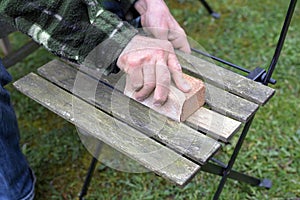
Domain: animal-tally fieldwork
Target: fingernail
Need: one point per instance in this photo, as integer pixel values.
(139, 99)
(186, 86)
(157, 104)
(179, 66)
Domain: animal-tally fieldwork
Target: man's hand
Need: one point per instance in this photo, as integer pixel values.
(157, 20)
(150, 64)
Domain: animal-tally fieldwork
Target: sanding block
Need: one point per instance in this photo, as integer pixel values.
(179, 105)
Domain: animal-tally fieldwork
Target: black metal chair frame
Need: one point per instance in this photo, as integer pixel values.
(210, 10)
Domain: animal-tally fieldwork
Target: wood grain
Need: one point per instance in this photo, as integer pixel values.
(115, 81)
(118, 135)
(216, 98)
(225, 79)
(175, 135)
(229, 104)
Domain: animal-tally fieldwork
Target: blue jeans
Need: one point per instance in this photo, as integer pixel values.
(16, 178)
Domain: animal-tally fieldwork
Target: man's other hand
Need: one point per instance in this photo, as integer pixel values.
(157, 20)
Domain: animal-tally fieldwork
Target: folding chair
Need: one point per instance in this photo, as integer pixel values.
(258, 74)
(225, 170)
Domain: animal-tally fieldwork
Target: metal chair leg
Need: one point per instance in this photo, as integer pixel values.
(90, 172)
(235, 175)
(88, 178)
(210, 10)
(231, 162)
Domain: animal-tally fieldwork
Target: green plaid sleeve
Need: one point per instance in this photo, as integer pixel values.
(72, 29)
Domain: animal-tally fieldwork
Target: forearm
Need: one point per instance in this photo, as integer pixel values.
(70, 29)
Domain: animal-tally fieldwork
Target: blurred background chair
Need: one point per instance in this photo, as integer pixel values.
(12, 57)
(210, 10)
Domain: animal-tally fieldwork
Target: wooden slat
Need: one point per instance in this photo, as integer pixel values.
(118, 135)
(176, 135)
(217, 99)
(226, 79)
(229, 104)
(213, 124)
(241, 110)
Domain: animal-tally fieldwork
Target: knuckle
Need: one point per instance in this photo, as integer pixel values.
(122, 59)
(181, 31)
(132, 62)
(160, 53)
(169, 45)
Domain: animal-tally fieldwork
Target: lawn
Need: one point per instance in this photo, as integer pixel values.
(246, 34)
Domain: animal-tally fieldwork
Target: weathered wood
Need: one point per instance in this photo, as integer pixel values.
(217, 99)
(123, 138)
(5, 46)
(115, 80)
(229, 104)
(179, 105)
(213, 124)
(176, 135)
(225, 79)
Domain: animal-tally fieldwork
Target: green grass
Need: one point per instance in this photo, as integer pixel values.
(246, 34)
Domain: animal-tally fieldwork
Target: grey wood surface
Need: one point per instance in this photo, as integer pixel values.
(229, 104)
(225, 79)
(217, 99)
(213, 124)
(127, 140)
(175, 135)
(220, 129)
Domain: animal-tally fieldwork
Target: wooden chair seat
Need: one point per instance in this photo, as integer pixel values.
(85, 98)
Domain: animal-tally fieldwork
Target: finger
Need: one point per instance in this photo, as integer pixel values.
(141, 7)
(182, 44)
(176, 72)
(149, 82)
(163, 81)
(158, 32)
(158, 28)
(179, 40)
(136, 78)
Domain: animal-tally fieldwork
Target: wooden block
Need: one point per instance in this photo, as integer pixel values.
(179, 105)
